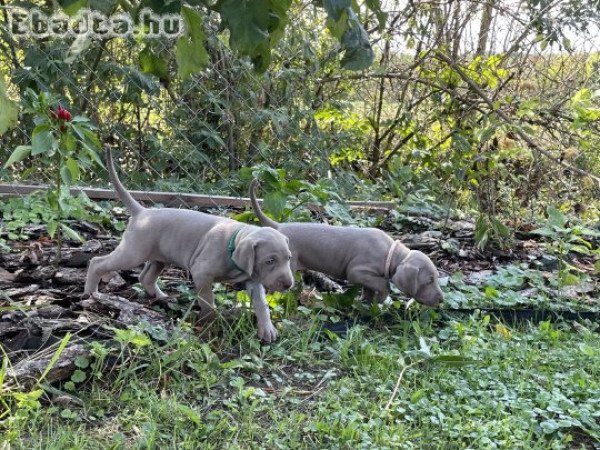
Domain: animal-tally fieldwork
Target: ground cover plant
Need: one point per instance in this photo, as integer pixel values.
(137, 374)
(468, 130)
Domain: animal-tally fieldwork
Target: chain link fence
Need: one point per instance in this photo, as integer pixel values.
(169, 134)
(410, 119)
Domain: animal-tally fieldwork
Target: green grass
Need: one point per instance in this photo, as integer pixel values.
(533, 386)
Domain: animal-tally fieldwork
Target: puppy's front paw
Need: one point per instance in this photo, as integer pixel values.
(87, 295)
(160, 295)
(267, 332)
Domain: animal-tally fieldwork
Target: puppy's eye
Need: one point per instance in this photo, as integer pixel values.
(289, 257)
(270, 262)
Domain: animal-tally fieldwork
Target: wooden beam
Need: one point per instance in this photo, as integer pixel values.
(171, 199)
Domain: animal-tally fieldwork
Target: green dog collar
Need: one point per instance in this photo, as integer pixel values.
(231, 249)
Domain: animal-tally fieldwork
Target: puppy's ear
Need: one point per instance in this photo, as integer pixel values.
(406, 278)
(244, 254)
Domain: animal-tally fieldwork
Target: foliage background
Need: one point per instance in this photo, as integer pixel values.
(487, 106)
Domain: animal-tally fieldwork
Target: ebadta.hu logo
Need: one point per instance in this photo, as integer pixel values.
(33, 23)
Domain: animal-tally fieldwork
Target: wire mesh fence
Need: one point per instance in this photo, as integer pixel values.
(168, 134)
(476, 97)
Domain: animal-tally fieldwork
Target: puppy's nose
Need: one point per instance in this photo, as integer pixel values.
(287, 284)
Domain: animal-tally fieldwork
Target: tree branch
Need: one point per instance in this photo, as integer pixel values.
(507, 120)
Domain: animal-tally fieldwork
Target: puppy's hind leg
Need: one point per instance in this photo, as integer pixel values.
(120, 259)
(376, 288)
(148, 278)
(206, 298)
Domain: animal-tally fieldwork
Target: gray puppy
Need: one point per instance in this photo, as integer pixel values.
(365, 256)
(213, 249)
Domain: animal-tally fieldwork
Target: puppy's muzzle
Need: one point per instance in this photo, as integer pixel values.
(432, 302)
(282, 284)
(287, 284)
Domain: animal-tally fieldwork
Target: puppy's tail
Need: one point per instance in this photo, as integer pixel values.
(130, 203)
(264, 220)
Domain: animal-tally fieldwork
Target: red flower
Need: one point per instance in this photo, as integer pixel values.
(63, 114)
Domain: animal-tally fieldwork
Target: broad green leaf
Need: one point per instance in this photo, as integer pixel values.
(335, 8)
(417, 395)
(193, 24)
(254, 26)
(341, 300)
(375, 6)
(79, 45)
(78, 376)
(544, 231)
(28, 400)
(549, 426)
(136, 79)
(582, 96)
(275, 203)
(131, 336)
(65, 176)
(246, 216)
(73, 168)
(18, 154)
(91, 138)
(71, 7)
(51, 228)
(359, 54)
(247, 22)
(246, 174)
(153, 64)
(94, 156)
(487, 133)
(339, 212)
(461, 143)
(344, 24)
(567, 278)
(581, 249)
(490, 292)
(69, 142)
(71, 233)
(42, 139)
(556, 217)
(338, 27)
(271, 177)
(87, 136)
(162, 6)
(191, 57)
(82, 362)
(190, 52)
(9, 110)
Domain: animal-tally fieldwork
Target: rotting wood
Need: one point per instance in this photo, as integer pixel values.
(126, 312)
(29, 370)
(175, 199)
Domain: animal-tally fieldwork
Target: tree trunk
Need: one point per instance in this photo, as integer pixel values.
(484, 29)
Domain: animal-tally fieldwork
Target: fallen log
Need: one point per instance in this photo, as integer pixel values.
(125, 312)
(173, 199)
(28, 371)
